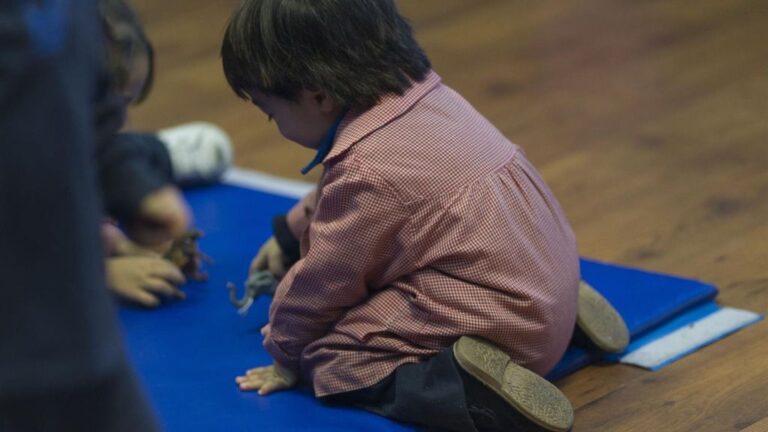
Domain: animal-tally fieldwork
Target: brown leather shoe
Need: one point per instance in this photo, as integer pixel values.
(600, 322)
(525, 392)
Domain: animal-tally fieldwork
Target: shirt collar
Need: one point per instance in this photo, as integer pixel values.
(357, 124)
(325, 146)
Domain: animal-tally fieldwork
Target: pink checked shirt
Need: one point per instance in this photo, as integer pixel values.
(427, 225)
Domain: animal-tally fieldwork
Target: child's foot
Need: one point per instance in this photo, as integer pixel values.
(200, 152)
(518, 398)
(600, 322)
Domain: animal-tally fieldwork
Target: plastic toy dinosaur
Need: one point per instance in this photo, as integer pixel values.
(186, 255)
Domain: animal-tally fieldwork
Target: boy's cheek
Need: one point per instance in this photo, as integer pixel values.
(287, 133)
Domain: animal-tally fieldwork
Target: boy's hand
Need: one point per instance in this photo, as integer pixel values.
(117, 244)
(128, 248)
(265, 330)
(267, 379)
(142, 279)
(270, 258)
(163, 216)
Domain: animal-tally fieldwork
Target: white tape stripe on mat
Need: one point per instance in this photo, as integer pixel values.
(690, 338)
(267, 183)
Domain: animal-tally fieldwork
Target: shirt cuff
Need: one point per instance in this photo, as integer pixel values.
(280, 356)
(289, 244)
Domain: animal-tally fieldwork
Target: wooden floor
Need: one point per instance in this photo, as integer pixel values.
(649, 119)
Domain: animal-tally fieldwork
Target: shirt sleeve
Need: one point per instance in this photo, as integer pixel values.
(353, 240)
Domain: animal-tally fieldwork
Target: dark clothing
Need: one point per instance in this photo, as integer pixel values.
(53, 304)
(438, 395)
(131, 166)
(430, 394)
(108, 405)
(59, 339)
(288, 243)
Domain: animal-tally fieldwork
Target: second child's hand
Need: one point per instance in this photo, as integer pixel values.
(162, 217)
(144, 279)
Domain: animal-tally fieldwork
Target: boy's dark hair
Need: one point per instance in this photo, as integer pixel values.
(354, 50)
(125, 40)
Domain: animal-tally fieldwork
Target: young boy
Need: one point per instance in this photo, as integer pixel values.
(437, 276)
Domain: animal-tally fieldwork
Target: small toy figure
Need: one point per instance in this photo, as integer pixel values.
(186, 255)
(261, 282)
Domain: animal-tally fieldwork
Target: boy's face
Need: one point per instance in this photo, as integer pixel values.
(305, 121)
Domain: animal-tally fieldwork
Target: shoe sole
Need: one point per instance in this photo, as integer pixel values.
(529, 394)
(600, 321)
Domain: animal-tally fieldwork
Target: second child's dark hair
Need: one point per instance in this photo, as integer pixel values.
(125, 42)
(354, 50)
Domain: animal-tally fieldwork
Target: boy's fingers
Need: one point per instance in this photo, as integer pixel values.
(259, 371)
(276, 266)
(251, 384)
(242, 379)
(264, 379)
(166, 270)
(158, 285)
(272, 386)
(129, 248)
(144, 298)
(259, 262)
(161, 286)
(248, 379)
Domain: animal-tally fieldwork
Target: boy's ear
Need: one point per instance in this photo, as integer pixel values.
(323, 101)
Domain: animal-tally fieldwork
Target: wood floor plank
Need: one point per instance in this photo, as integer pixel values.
(760, 426)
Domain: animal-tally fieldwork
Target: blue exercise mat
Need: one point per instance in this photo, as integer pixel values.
(189, 352)
(645, 300)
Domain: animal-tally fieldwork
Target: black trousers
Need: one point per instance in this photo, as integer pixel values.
(431, 394)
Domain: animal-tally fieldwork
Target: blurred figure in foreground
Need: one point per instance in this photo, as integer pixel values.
(62, 363)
